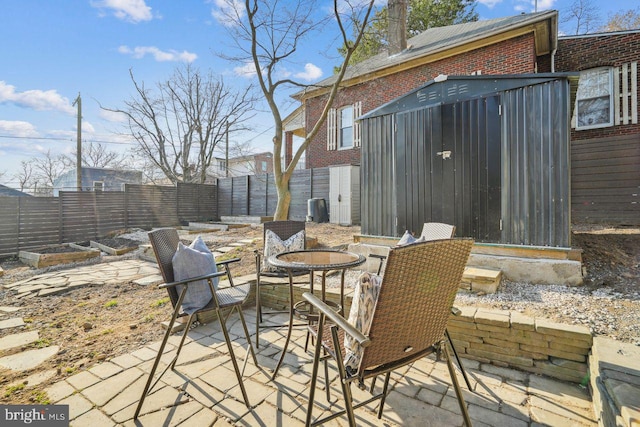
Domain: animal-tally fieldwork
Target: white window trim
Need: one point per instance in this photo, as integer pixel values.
(334, 128)
(612, 94)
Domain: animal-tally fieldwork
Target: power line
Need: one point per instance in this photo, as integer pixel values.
(51, 138)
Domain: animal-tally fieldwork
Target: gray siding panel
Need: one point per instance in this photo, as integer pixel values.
(605, 177)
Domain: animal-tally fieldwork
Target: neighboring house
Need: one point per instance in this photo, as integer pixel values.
(605, 134)
(252, 164)
(605, 144)
(96, 179)
(7, 191)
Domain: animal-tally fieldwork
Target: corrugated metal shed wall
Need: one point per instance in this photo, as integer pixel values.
(536, 165)
(378, 199)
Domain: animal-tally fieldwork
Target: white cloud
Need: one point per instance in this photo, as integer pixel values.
(18, 128)
(490, 3)
(159, 55)
(528, 6)
(127, 10)
(227, 12)
(247, 70)
(112, 116)
(40, 100)
(311, 72)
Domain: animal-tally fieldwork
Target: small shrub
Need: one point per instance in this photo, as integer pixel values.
(110, 304)
(40, 397)
(13, 388)
(41, 343)
(160, 302)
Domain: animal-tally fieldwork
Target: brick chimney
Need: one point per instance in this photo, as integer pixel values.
(397, 26)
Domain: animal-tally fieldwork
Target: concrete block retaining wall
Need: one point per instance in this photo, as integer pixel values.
(502, 338)
(510, 339)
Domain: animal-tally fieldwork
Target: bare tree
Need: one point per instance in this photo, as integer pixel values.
(25, 174)
(178, 126)
(268, 34)
(584, 14)
(98, 156)
(623, 20)
(46, 170)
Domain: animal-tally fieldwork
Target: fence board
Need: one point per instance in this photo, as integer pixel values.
(257, 195)
(32, 222)
(39, 222)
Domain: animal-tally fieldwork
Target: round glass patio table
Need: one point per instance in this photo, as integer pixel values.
(312, 260)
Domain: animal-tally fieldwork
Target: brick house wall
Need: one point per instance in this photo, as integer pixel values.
(513, 56)
(585, 52)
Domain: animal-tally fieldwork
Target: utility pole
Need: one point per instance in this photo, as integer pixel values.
(79, 144)
(226, 160)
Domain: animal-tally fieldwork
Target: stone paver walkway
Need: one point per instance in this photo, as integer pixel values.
(132, 270)
(107, 394)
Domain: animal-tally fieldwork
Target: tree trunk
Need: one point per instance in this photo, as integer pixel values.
(284, 199)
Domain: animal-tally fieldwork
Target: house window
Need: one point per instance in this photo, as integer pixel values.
(343, 131)
(594, 100)
(346, 127)
(98, 185)
(264, 166)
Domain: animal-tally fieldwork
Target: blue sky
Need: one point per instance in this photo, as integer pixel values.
(53, 50)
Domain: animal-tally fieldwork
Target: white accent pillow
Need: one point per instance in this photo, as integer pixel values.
(193, 261)
(274, 245)
(365, 296)
(407, 239)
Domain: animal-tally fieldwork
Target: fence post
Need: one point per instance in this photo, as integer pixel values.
(126, 206)
(60, 217)
(248, 197)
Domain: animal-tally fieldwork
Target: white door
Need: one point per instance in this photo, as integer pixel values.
(340, 195)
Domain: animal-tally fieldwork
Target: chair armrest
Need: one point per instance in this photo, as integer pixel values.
(193, 279)
(381, 257)
(227, 261)
(340, 321)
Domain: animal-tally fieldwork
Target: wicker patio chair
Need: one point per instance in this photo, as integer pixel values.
(284, 230)
(224, 302)
(408, 322)
(437, 231)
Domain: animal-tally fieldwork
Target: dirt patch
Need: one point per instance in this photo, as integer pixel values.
(98, 323)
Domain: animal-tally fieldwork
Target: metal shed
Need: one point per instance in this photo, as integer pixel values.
(489, 154)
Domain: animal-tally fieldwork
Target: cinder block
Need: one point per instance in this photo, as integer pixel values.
(485, 280)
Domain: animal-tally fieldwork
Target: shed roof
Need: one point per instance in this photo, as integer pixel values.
(8, 191)
(447, 89)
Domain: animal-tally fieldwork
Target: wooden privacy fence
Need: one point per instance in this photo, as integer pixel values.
(32, 222)
(256, 195)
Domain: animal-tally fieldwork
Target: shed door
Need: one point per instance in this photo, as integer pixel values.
(448, 168)
(340, 195)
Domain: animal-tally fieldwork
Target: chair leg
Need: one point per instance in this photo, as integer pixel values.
(385, 388)
(156, 362)
(314, 370)
(246, 334)
(184, 336)
(223, 326)
(346, 386)
(456, 385)
(455, 353)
